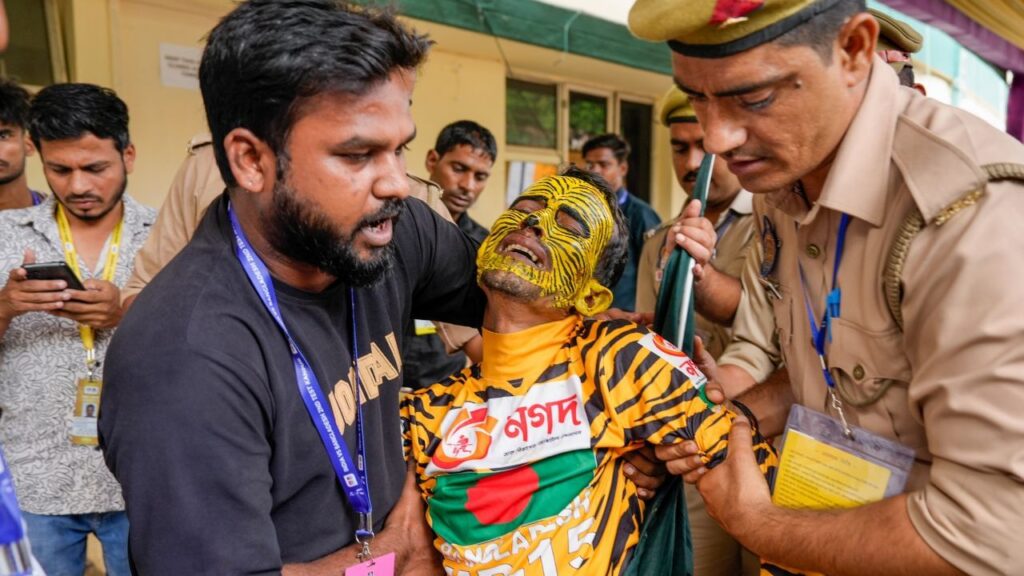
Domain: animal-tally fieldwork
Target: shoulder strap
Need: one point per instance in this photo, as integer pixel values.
(892, 279)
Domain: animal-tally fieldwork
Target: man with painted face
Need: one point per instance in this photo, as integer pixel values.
(262, 365)
(519, 458)
(15, 147)
(607, 156)
(876, 218)
(55, 338)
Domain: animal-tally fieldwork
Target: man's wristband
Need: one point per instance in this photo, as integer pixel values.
(748, 413)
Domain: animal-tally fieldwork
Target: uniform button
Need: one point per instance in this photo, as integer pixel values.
(858, 371)
(813, 251)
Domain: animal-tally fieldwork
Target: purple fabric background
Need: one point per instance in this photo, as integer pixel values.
(981, 41)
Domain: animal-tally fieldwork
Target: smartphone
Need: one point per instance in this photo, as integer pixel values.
(54, 271)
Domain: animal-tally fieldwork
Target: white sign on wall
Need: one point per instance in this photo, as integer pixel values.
(179, 66)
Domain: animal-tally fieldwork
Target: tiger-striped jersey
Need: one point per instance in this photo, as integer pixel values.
(519, 458)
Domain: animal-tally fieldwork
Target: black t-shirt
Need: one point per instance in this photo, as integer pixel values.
(202, 423)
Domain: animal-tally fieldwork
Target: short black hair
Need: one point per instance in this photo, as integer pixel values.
(69, 111)
(466, 133)
(266, 57)
(14, 102)
(820, 32)
(614, 142)
(613, 260)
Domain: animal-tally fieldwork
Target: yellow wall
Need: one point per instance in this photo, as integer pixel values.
(117, 43)
(453, 87)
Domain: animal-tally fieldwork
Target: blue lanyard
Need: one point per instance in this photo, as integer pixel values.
(37, 198)
(832, 303)
(352, 477)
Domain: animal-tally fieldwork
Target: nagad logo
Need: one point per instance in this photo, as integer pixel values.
(468, 439)
(675, 357)
(667, 347)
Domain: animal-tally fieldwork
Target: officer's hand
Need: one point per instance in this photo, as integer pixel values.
(695, 234)
(735, 491)
(98, 306)
(644, 469)
(21, 295)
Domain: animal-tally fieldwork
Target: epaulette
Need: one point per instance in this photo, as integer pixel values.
(938, 195)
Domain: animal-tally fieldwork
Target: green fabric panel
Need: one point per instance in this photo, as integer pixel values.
(540, 24)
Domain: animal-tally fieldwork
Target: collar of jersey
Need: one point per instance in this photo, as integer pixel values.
(525, 354)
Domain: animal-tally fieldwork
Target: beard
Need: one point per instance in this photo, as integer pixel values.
(510, 284)
(114, 202)
(298, 231)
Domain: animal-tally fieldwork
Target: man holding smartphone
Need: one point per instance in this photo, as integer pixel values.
(54, 337)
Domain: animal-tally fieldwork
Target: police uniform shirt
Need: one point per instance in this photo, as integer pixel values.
(949, 384)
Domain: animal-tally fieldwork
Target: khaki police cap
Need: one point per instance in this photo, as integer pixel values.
(895, 34)
(720, 28)
(675, 107)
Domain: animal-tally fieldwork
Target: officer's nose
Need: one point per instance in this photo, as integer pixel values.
(721, 133)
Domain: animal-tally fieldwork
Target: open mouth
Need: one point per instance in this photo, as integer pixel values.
(378, 233)
(524, 252)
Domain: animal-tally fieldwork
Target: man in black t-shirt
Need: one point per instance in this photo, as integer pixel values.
(221, 464)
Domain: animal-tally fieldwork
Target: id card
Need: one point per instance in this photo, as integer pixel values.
(820, 468)
(379, 566)
(425, 327)
(86, 413)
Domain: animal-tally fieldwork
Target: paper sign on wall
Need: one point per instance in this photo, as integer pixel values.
(179, 66)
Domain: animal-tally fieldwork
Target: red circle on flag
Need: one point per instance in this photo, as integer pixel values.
(501, 498)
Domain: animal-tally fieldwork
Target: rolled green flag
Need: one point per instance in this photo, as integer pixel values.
(674, 317)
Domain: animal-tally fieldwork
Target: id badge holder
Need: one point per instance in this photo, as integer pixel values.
(821, 468)
(379, 566)
(424, 327)
(86, 412)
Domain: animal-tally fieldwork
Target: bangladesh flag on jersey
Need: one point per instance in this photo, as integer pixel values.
(468, 508)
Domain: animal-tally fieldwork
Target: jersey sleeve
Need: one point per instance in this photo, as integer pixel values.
(652, 391)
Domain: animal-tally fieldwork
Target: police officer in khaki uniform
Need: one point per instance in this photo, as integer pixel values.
(730, 208)
(927, 342)
(754, 333)
(197, 184)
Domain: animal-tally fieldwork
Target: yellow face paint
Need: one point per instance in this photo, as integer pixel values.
(570, 222)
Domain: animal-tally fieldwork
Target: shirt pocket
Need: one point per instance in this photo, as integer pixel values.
(872, 377)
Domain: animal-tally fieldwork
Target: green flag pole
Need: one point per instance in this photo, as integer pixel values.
(674, 316)
(674, 313)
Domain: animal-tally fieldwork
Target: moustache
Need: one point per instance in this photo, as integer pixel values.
(83, 197)
(690, 177)
(392, 209)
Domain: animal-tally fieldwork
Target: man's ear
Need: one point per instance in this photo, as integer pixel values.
(30, 148)
(432, 159)
(855, 46)
(128, 157)
(593, 299)
(253, 164)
